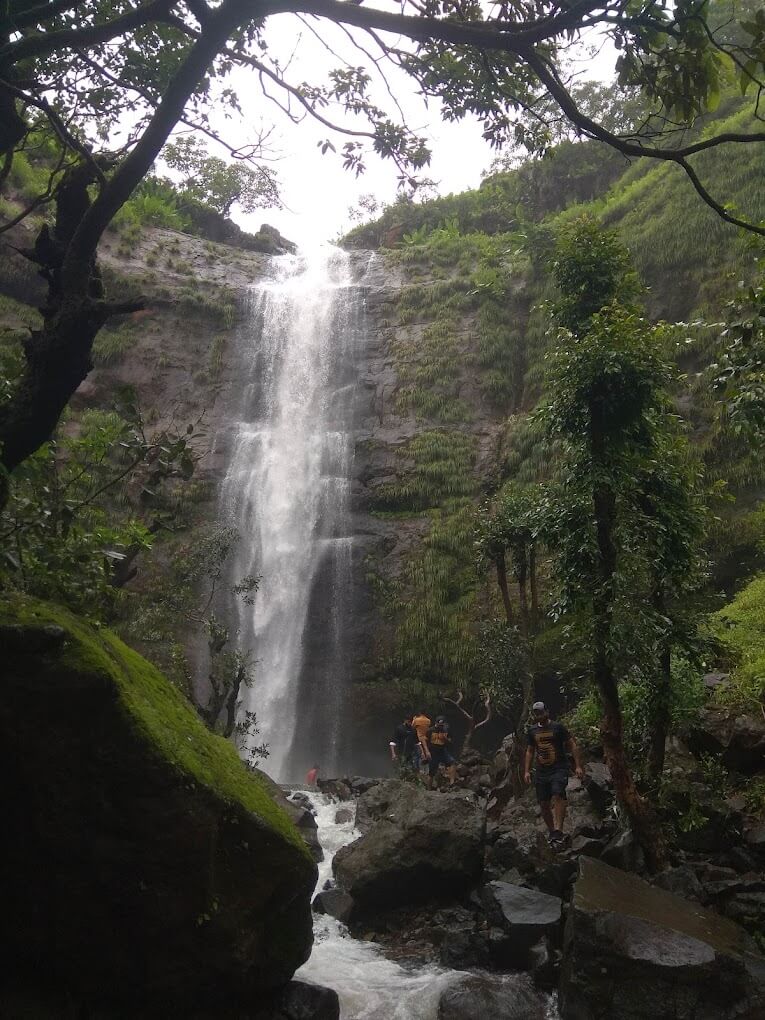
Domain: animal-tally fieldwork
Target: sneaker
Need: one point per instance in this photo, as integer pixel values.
(556, 839)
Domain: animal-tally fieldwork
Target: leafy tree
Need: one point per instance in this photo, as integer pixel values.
(511, 525)
(87, 69)
(188, 594)
(627, 521)
(86, 505)
(217, 183)
(739, 375)
(605, 385)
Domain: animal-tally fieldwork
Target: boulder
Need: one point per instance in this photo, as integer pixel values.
(598, 784)
(337, 788)
(299, 1000)
(624, 852)
(425, 845)
(632, 951)
(299, 808)
(360, 784)
(682, 881)
(376, 802)
(344, 815)
(334, 902)
(143, 864)
(484, 996)
(739, 739)
(526, 915)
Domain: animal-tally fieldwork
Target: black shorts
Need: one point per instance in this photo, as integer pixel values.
(439, 756)
(551, 784)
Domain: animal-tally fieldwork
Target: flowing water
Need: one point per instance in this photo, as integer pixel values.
(370, 986)
(287, 493)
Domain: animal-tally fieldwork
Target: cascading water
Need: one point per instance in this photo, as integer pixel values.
(286, 492)
(370, 986)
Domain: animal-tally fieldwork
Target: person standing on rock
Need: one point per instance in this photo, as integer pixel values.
(312, 777)
(422, 724)
(549, 742)
(402, 744)
(439, 739)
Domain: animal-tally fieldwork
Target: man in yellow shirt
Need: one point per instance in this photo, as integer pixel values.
(421, 724)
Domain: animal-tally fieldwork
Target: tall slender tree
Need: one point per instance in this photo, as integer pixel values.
(627, 519)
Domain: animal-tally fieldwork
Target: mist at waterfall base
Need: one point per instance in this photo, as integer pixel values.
(287, 493)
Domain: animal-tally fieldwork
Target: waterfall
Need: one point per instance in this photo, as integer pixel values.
(287, 493)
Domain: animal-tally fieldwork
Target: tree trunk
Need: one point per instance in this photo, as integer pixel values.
(533, 587)
(502, 582)
(660, 709)
(642, 818)
(58, 356)
(521, 569)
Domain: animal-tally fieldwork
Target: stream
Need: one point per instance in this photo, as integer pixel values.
(369, 985)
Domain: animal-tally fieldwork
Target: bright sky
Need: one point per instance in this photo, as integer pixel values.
(316, 191)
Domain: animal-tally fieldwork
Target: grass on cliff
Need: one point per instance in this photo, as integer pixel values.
(436, 467)
(740, 628)
(158, 712)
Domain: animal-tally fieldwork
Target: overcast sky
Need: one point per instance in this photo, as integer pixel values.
(316, 191)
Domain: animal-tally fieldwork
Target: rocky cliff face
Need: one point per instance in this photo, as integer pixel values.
(426, 426)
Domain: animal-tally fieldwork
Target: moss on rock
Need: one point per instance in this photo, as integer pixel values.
(148, 865)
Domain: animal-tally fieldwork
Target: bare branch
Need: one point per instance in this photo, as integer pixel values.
(487, 706)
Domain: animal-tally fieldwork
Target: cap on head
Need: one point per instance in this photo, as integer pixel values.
(539, 707)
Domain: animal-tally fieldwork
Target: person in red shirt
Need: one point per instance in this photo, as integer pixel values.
(312, 776)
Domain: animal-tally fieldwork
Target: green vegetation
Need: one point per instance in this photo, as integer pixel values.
(86, 505)
(159, 713)
(112, 344)
(436, 469)
(740, 627)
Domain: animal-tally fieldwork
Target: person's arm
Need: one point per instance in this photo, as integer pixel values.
(527, 767)
(425, 748)
(392, 746)
(573, 748)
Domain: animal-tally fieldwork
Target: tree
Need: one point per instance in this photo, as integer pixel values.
(219, 184)
(192, 584)
(511, 525)
(86, 505)
(626, 523)
(604, 394)
(83, 68)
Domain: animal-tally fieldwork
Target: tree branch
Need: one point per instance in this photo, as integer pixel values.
(487, 706)
(223, 21)
(44, 43)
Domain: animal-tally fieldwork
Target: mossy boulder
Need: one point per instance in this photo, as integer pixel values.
(144, 868)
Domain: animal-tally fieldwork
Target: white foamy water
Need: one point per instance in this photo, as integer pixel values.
(286, 491)
(369, 986)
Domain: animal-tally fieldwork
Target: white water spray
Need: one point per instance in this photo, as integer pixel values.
(286, 491)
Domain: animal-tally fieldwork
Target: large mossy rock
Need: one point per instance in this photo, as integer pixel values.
(417, 845)
(634, 951)
(143, 867)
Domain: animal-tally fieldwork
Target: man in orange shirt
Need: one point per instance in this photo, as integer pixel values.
(421, 724)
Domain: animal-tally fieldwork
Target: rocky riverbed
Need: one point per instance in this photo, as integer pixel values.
(438, 888)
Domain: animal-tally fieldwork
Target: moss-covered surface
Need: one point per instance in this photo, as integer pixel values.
(150, 869)
(740, 627)
(159, 713)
